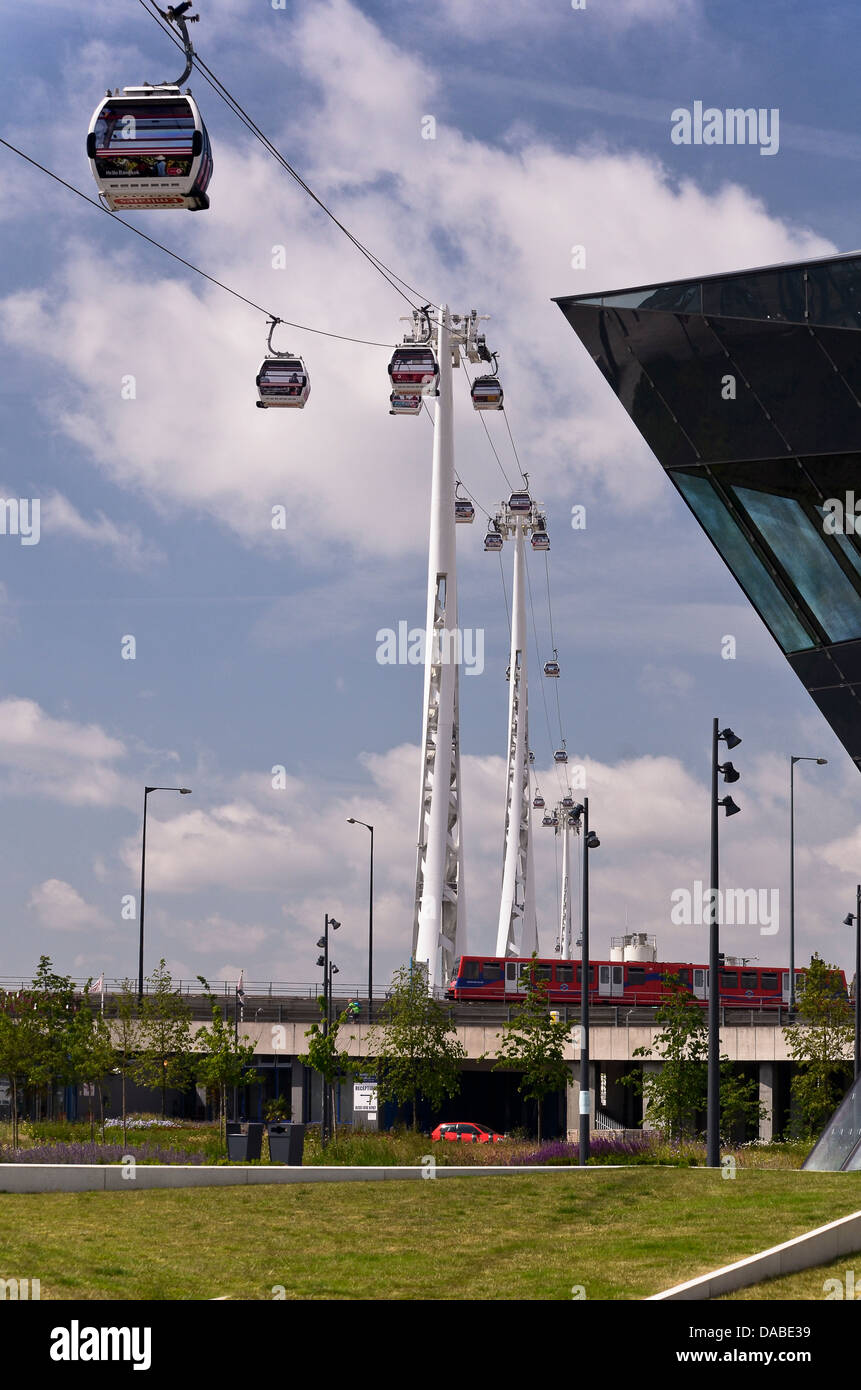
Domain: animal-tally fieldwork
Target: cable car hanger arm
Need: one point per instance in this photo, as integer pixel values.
(176, 16)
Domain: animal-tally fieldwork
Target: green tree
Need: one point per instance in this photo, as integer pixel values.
(164, 1060)
(675, 1094)
(534, 1044)
(415, 1050)
(53, 1033)
(16, 1047)
(92, 1055)
(222, 1060)
(820, 1042)
(326, 1058)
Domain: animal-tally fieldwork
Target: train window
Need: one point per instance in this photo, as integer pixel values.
(768, 979)
(492, 971)
(636, 974)
(685, 977)
(580, 974)
(543, 972)
(470, 969)
(565, 974)
(729, 979)
(748, 979)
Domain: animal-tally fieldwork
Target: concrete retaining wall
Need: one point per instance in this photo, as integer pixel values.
(108, 1177)
(819, 1247)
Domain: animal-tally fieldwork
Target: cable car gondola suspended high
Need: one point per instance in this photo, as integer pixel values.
(283, 378)
(464, 511)
(414, 369)
(148, 146)
(402, 404)
(486, 393)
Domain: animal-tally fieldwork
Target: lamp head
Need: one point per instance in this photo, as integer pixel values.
(729, 773)
(729, 806)
(848, 919)
(185, 791)
(731, 740)
(333, 924)
(351, 820)
(592, 841)
(321, 960)
(321, 942)
(822, 761)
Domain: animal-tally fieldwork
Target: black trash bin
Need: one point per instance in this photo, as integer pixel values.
(244, 1142)
(287, 1144)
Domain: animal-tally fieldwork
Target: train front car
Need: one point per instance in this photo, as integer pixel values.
(149, 149)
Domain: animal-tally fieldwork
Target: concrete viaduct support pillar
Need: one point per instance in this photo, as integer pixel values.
(766, 1096)
(649, 1069)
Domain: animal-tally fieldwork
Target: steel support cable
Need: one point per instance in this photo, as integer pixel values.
(236, 107)
(115, 217)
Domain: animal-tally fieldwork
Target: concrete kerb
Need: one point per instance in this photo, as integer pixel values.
(819, 1247)
(108, 1177)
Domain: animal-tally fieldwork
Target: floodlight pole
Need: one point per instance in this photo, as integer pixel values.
(713, 1103)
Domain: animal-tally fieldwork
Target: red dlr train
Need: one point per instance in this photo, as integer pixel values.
(635, 983)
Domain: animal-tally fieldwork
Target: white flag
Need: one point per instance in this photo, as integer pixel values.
(97, 986)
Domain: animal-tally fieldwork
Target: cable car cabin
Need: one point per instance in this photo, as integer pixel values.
(567, 803)
(547, 820)
(493, 541)
(538, 802)
(149, 148)
(283, 381)
(486, 393)
(463, 509)
(414, 369)
(560, 756)
(551, 668)
(520, 502)
(642, 984)
(540, 540)
(401, 404)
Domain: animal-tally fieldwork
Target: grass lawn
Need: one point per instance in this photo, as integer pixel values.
(620, 1234)
(808, 1284)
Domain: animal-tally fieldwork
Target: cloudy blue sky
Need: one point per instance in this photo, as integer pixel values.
(257, 648)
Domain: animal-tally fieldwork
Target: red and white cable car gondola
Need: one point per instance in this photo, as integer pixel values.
(486, 393)
(493, 541)
(540, 540)
(520, 502)
(414, 369)
(464, 511)
(148, 148)
(283, 379)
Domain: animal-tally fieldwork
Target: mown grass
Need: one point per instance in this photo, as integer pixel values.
(621, 1234)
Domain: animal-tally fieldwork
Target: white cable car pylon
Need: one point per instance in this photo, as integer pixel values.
(517, 930)
(439, 923)
(565, 820)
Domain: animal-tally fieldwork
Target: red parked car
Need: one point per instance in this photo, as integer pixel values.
(466, 1133)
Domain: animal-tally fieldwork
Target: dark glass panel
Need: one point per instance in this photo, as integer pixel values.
(492, 972)
(834, 293)
(802, 552)
(683, 298)
(745, 564)
(687, 363)
(842, 708)
(769, 294)
(808, 401)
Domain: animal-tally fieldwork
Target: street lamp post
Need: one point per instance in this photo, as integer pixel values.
(848, 920)
(590, 842)
(183, 791)
(352, 821)
(713, 1102)
(792, 761)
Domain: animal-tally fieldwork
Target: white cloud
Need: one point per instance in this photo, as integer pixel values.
(59, 907)
(125, 542)
(58, 758)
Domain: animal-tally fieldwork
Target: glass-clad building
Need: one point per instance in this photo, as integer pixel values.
(747, 387)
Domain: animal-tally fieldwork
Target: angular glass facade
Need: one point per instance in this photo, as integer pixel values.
(747, 388)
